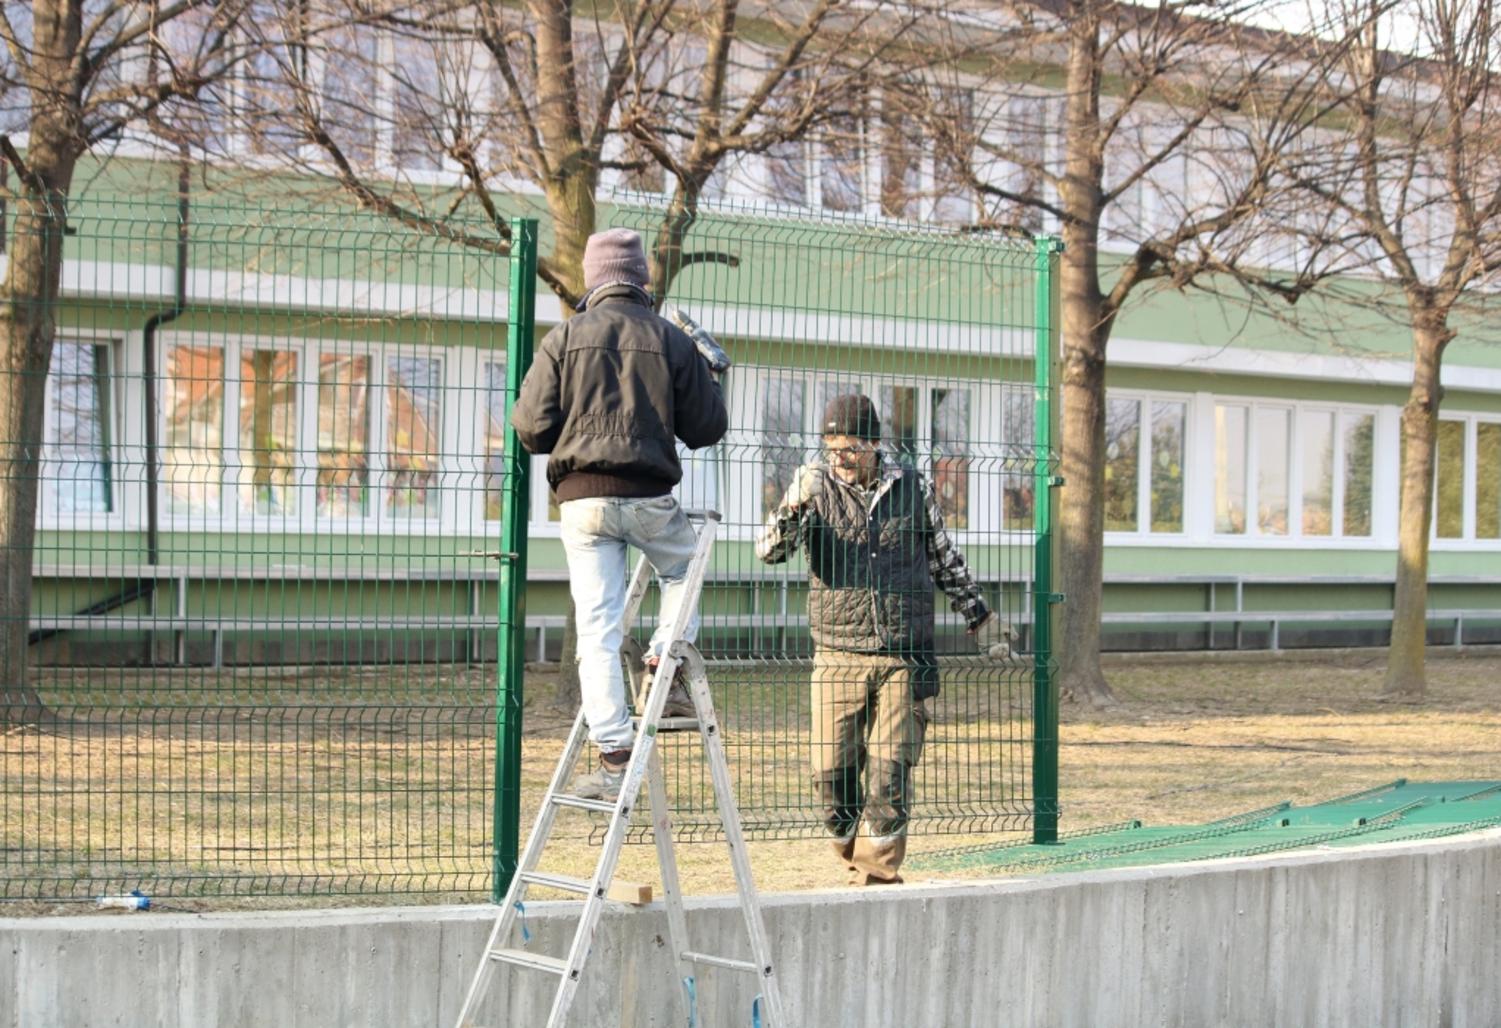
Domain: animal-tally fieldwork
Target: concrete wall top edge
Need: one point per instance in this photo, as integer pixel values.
(1488, 838)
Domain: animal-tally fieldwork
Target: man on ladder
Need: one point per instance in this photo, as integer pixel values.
(608, 395)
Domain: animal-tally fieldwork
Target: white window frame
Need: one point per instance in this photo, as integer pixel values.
(740, 484)
(1144, 464)
(1203, 494)
(460, 510)
(48, 517)
(1467, 540)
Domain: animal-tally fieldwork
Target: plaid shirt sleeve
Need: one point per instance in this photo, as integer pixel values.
(948, 567)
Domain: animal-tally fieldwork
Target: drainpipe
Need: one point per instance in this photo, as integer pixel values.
(148, 365)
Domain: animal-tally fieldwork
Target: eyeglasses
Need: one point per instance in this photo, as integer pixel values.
(850, 454)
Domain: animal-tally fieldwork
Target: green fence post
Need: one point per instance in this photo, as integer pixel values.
(520, 330)
(1044, 599)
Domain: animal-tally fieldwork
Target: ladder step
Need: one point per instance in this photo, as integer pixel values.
(579, 803)
(671, 724)
(526, 958)
(725, 962)
(560, 882)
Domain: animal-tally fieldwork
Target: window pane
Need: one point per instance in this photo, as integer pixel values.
(951, 454)
(79, 473)
(841, 168)
(1271, 471)
(1449, 503)
(1488, 481)
(898, 410)
(1360, 439)
(418, 101)
(268, 432)
(1122, 450)
(350, 91)
(1020, 463)
(414, 428)
(781, 439)
(901, 169)
(787, 173)
(1229, 469)
(495, 438)
(343, 434)
(193, 443)
(1316, 436)
(1168, 420)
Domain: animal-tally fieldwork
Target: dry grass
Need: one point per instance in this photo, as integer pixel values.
(265, 789)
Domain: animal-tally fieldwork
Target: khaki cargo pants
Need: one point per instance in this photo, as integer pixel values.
(867, 736)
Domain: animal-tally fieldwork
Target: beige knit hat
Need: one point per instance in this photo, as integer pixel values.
(615, 255)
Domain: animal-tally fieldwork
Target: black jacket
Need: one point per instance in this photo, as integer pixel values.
(609, 392)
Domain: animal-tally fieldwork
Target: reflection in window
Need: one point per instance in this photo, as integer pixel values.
(1488, 480)
(1449, 501)
(1122, 463)
(1271, 471)
(951, 455)
(1018, 435)
(349, 90)
(495, 439)
(413, 435)
(1168, 419)
(901, 168)
(193, 440)
(343, 434)
(78, 444)
(841, 167)
(268, 432)
(953, 201)
(787, 173)
(1316, 438)
(899, 424)
(417, 100)
(1360, 438)
(1229, 469)
(781, 438)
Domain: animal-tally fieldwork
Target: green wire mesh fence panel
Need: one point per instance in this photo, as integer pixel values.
(258, 654)
(820, 617)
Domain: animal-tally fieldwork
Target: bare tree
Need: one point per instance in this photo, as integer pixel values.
(74, 78)
(1149, 136)
(662, 98)
(1416, 178)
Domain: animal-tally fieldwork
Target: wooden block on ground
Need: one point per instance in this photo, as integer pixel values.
(635, 893)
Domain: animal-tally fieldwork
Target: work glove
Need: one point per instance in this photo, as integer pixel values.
(807, 483)
(994, 638)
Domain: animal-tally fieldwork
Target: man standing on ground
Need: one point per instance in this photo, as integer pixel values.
(609, 393)
(874, 537)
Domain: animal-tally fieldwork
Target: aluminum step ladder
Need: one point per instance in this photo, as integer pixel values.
(645, 765)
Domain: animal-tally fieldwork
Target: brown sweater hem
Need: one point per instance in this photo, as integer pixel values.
(582, 485)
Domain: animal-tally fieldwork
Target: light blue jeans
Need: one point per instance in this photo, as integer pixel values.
(596, 531)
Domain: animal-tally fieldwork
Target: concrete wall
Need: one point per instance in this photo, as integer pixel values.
(1399, 935)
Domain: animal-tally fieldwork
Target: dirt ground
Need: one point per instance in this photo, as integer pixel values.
(1190, 741)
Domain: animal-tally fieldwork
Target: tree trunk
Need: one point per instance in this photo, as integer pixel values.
(1405, 678)
(28, 298)
(27, 313)
(1085, 330)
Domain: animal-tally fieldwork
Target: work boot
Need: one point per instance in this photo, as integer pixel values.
(604, 782)
(679, 702)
